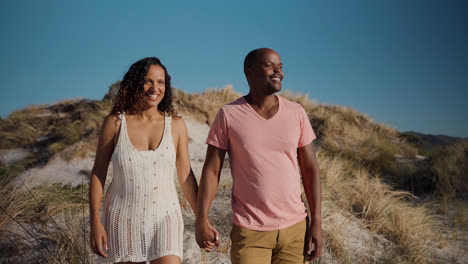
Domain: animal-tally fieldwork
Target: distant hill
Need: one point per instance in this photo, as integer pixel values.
(435, 142)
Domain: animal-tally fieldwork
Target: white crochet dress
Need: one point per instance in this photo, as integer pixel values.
(141, 212)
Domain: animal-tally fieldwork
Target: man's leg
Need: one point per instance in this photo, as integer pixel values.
(252, 247)
(290, 247)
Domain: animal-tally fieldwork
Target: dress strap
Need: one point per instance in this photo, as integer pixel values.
(123, 127)
(122, 116)
(167, 123)
(167, 131)
(122, 121)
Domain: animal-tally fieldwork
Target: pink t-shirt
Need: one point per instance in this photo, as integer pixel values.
(266, 190)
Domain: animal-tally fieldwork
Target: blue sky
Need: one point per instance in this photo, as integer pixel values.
(403, 63)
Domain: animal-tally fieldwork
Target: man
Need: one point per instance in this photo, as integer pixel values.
(265, 135)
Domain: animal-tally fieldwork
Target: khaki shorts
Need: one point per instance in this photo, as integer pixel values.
(262, 247)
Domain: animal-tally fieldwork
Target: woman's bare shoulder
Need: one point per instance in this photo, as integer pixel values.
(178, 126)
(178, 123)
(111, 122)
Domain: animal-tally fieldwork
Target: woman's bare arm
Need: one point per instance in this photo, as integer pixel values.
(184, 171)
(97, 180)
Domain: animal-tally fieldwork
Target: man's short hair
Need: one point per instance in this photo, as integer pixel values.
(252, 57)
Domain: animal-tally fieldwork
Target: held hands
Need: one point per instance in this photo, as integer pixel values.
(98, 239)
(314, 241)
(207, 236)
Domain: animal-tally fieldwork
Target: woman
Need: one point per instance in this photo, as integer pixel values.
(146, 141)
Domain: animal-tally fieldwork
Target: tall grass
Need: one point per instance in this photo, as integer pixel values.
(382, 210)
(204, 106)
(44, 224)
(450, 164)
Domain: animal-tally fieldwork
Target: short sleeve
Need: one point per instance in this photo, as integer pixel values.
(218, 135)
(307, 133)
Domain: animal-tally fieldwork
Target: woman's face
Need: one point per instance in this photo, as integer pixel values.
(154, 85)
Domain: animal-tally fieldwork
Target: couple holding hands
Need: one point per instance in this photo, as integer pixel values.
(269, 143)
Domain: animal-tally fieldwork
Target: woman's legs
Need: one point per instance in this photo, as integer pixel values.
(171, 259)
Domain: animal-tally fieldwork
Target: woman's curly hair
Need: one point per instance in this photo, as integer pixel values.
(131, 98)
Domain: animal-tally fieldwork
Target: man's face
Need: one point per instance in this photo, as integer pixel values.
(266, 72)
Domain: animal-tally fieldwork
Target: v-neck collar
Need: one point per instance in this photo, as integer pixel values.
(258, 115)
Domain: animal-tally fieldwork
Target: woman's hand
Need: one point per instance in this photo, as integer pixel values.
(98, 239)
(207, 236)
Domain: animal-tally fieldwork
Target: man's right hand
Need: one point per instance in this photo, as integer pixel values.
(207, 236)
(98, 239)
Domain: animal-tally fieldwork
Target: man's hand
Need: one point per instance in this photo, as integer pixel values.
(314, 240)
(207, 236)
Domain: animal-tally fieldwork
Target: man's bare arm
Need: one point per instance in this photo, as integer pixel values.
(207, 191)
(313, 189)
